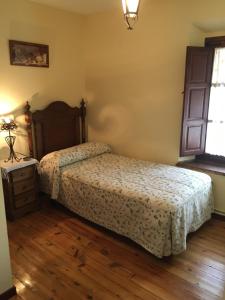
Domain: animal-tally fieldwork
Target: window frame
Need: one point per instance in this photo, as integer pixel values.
(213, 42)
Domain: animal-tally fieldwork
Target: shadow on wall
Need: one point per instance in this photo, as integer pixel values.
(4, 152)
(107, 117)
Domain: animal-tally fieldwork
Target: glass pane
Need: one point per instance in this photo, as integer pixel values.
(219, 66)
(215, 141)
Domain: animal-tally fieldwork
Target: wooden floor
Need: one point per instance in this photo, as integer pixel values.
(57, 256)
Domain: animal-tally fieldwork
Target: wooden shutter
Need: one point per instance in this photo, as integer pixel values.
(199, 63)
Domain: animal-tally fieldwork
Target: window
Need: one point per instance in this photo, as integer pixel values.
(215, 137)
(203, 125)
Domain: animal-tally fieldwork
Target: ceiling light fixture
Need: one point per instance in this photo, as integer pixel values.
(130, 10)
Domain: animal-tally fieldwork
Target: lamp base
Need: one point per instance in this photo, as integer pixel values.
(10, 140)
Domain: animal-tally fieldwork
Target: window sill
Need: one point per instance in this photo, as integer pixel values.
(209, 166)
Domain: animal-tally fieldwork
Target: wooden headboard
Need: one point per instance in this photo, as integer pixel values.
(56, 127)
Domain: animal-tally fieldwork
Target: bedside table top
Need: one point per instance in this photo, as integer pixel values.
(11, 166)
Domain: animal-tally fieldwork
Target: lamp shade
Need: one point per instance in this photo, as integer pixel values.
(7, 118)
(7, 123)
(130, 10)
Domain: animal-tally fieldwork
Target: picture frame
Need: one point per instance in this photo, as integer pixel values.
(28, 54)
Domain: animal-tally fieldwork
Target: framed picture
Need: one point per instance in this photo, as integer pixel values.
(28, 54)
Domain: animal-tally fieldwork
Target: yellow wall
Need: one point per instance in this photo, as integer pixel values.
(62, 31)
(219, 192)
(5, 268)
(134, 80)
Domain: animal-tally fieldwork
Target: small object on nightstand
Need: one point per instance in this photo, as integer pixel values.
(20, 185)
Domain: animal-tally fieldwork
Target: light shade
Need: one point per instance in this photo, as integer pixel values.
(130, 10)
(7, 119)
(8, 124)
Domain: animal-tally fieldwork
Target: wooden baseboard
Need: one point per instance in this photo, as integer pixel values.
(8, 294)
(219, 216)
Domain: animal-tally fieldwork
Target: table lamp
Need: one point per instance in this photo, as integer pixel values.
(8, 124)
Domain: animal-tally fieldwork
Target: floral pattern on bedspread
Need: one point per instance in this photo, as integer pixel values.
(153, 204)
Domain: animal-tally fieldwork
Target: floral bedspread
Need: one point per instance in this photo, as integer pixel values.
(154, 205)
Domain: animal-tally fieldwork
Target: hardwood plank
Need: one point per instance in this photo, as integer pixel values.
(54, 274)
(57, 256)
(81, 260)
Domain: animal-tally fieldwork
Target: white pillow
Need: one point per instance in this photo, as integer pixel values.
(76, 153)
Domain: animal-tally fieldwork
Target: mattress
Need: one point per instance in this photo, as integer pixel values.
(154, 205)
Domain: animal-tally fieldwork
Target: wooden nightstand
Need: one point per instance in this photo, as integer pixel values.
(20, 185)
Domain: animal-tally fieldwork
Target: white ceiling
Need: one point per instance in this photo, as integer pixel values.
(82, 6)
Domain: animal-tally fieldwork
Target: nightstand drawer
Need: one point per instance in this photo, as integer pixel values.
(23, 186)
(22, 174)
(24, 199)
(20, 187)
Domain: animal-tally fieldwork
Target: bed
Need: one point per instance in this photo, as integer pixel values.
(154, 205)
